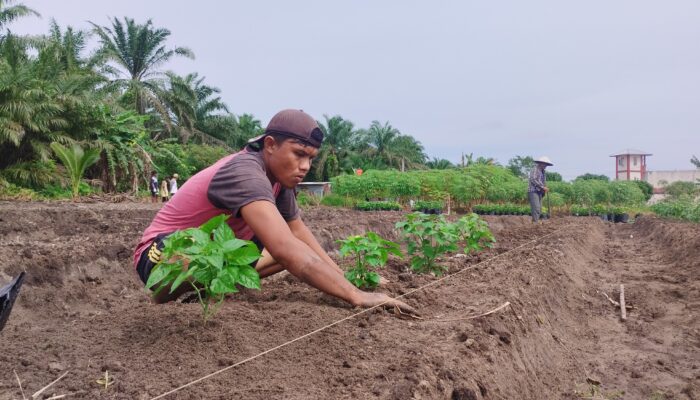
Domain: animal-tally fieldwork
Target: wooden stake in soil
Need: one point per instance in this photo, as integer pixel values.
(623, 309)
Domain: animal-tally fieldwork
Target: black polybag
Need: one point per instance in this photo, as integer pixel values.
(8, 294)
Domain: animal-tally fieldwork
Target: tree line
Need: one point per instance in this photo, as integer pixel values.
(120, 107)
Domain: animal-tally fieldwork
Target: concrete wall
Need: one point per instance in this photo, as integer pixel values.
(654, 177)
(634, 176)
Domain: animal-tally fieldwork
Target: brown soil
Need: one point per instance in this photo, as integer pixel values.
(83, 310)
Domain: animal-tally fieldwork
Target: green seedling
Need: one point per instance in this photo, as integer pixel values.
(429, 236)
(369, 251)
(210, 259)
(474, 233)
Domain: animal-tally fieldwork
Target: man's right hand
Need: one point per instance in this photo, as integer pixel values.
(546, 189)
(368, 300)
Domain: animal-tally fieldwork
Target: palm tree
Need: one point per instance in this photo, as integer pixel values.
(439, 163)
(381, 137)
(11, 13)
(31, 112)
(76, 160)
(409, 151)
(337, 143)
(138, 50)
(248, 128)
(190, 103)
(207, 104)
(44, 98)
(387, 147)
(180, 99)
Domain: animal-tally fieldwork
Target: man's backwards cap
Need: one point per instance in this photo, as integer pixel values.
(294, 124)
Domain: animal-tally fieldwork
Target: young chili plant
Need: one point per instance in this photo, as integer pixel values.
(369, 250)
(474, 233)
(210, 259)
(427, 237)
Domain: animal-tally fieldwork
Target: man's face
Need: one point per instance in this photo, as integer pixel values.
(290, 161)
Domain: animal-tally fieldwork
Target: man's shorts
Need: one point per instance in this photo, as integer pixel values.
(151, 256)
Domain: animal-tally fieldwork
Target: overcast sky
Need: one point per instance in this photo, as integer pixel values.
(576, 81)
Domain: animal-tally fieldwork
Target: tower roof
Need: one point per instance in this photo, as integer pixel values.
(632, 152)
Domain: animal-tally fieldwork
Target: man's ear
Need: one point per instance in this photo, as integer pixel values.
(269, 143)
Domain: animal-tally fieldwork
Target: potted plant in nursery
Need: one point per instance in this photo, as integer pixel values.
(620, 215)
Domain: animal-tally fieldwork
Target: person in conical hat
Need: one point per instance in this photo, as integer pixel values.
(537, 187)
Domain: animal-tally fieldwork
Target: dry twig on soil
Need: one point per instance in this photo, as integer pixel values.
(40, 391)
(106, 381)
(20, 385)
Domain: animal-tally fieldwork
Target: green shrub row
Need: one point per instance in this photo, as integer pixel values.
(503, 209)
(684, 207)
(378, 206)
(597, 210)
(480, 183)
(428, 205)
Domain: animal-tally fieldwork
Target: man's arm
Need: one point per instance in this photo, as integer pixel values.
(297, 257)
(303, 262)
(302, 232)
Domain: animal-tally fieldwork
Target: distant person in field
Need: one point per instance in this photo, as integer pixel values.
(537, 187)
(256, 187)
(173, 185)
(153, 187)
(164, 189)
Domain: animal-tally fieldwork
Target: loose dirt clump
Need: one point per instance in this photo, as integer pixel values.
(83, 311)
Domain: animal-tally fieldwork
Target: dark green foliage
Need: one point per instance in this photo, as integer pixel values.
(682, 207)
(589, 176)
(646, 189)
(501, 209)
(553, 176)
(430, 236)
(216, 263)
(186, 160)
(625, 192)
(334, 200)
(520, 166)
(307, 199)
(428, 205)
(369, 251)
(378, 206)
(678, 189)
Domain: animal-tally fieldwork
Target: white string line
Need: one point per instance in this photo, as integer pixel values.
(347, 318)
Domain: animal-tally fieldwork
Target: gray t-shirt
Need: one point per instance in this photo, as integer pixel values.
(242, 180)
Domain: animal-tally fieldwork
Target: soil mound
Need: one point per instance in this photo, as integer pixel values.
(83, 310)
